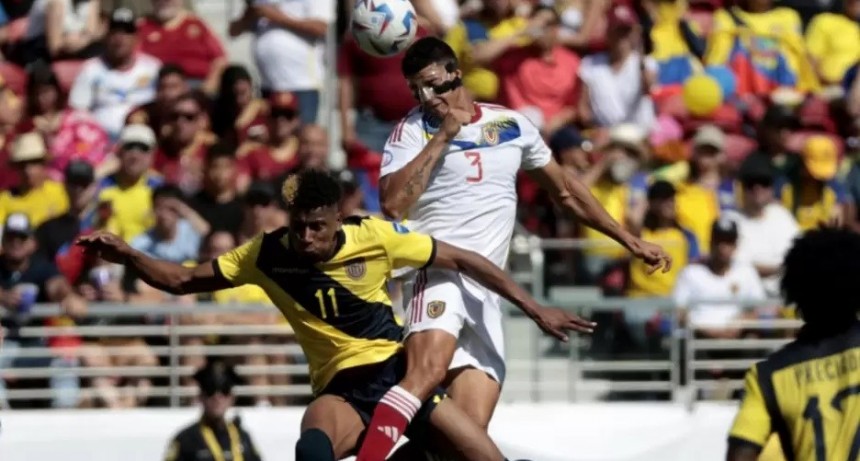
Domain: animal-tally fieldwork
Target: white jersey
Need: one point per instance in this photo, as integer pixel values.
(471, 198)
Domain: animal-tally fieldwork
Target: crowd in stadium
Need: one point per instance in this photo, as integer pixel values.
(129, 116)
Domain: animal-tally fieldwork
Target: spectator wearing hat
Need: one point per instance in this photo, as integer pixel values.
(56, 236)
(720, 277)
(218, 201)
(214, 434)
(169, 86)
(182, 152)
(176, 35)
(267, 160)
(615, 85)
(238, 115)
(539, 76)
(617, 183)
(121, 79)
(36, 196)
(289, 47)
(813, 194)
(62, 29)
(697, 195)
(126, 196)
(766, 229)
(26, 279)
(660, 225)
(69, 133)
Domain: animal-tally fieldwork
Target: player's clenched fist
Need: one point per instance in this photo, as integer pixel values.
(453, 121)
(106, 246)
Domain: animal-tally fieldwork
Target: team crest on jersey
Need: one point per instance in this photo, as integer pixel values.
(154, 36)
(356, 268)
(490, 134)
(194, 31)
(435, 309)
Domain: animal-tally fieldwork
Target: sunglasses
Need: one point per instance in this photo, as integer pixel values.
(211, 391)
(749, 183)
(136, 146)
(284, 113)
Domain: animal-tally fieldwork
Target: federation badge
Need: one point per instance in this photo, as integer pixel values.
(154, 36)
(491, 135)
(356, 268)
(193, 31)
(435, 309)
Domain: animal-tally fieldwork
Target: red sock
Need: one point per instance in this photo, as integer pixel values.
(390, 418)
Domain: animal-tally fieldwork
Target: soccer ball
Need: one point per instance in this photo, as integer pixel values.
(384, 27)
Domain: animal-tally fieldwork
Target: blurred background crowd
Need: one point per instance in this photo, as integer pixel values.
(718, 128)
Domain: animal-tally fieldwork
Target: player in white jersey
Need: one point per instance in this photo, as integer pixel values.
(449, 168)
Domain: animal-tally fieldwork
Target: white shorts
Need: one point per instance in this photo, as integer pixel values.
(438, 300)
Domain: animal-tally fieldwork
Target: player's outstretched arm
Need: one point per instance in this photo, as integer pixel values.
(163, 275)
(552, 321)
(571, 194)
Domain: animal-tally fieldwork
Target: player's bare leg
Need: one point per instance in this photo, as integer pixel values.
(330, 430)
(475, 392)
(428, 355)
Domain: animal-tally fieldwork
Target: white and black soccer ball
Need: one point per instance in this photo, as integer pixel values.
(384, 27)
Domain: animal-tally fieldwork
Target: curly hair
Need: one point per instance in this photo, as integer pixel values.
(821, 276)
(311, 189)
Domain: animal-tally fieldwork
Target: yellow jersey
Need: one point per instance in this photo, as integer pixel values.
(681, 245)
(812, 205)
(834, 40)
(697, 208)
(39, 204)
(339, 309)
(131, 207)
(808, 393)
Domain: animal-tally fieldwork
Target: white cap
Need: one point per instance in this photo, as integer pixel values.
(28, 147)
(137, 133)
(629, 136)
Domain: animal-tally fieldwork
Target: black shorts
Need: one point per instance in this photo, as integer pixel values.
(363, 387)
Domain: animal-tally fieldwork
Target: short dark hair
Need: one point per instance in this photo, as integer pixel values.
(311, 189)
(661, 190)
(427, 51)
(170, 69)
(821, 276)
(167, 191)
(218, 150)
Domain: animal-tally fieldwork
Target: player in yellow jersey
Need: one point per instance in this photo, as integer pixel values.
(808, 392)
(327, 275)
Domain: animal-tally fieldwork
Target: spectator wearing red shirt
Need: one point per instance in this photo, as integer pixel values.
(171, 84)
(11, 110)
(266, 161)
(374, 89)
(177, 36)
(238, 115)
(541, 77)
(182, 152)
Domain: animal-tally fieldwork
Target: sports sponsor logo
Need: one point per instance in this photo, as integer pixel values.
(400, 228)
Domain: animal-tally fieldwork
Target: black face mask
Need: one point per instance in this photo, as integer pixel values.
(441, 88)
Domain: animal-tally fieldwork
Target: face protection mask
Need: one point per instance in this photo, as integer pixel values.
(622, 170)
(427, 92)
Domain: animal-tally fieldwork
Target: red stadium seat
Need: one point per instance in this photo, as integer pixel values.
(66, 72)
(814, 114)
(671, 103)
(14, 76)
(16, 29)
(738, 148)
(712, 5)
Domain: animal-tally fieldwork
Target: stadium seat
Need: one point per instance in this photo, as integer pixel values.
(66, 72)
(738, 148)
(814, 114)
(16, 29)
(14, 76)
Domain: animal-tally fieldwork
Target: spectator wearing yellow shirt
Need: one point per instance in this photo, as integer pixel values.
(477, 42)
(661, 227)
(617, 183)
(36, 196)
(129, 190)
(833, 40)
(813, 194)
(697, 201)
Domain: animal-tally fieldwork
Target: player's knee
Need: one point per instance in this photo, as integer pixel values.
(314, 445)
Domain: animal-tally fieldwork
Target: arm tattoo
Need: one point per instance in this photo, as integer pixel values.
(417, 178)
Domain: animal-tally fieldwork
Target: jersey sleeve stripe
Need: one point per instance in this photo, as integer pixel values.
(768, 393)
(396, 132)
(737, 442)
(418, 295)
